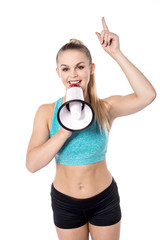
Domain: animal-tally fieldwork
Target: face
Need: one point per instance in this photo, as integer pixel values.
(73, 66)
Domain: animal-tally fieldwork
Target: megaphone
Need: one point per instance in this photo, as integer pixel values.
(75, 114)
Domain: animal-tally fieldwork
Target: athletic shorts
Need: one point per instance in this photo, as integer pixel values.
(102, 209)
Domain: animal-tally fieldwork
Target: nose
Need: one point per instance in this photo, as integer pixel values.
(73, 73)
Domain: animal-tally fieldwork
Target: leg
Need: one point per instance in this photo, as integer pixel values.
(80, 233)
(104, 222)
(107, 232)
(68, 216)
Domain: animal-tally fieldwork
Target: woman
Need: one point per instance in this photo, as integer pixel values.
(84, 194)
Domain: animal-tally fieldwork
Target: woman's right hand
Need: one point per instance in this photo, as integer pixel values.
(65, 132)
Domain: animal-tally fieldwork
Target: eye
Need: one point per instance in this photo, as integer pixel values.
(81, 67)
(65, 69)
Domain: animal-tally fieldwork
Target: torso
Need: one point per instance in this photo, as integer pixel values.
(82, 181)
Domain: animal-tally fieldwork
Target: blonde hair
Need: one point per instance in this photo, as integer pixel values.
(100, 106)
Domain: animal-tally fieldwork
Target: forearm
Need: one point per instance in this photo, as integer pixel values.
(139, 83)
(42, 155)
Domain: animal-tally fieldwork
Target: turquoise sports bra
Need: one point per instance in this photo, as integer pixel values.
(81, 148)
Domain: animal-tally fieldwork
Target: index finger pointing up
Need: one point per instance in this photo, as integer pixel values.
(104, 24)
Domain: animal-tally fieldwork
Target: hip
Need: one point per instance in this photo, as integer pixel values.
(102, 209)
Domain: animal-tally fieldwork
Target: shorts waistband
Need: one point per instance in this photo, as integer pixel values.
(97, 197)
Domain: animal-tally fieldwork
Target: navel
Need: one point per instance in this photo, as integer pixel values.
(81, 186)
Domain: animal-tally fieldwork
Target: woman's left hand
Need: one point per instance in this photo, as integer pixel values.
(109, 41)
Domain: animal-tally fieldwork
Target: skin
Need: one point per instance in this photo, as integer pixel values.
(74, 70)
(77, 181)
(73, 65)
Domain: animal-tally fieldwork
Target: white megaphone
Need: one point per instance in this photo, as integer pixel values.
(75, 114)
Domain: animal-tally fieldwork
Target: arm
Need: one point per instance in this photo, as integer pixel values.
(144, 92)
(41, 150)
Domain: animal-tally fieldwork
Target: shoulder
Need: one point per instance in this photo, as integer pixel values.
(45, 112)
(46, 107)
(108, 103)
(109, 100)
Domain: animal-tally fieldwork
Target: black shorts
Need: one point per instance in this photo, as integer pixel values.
(102, 209)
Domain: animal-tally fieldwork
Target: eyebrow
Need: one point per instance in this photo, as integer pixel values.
(67, 65)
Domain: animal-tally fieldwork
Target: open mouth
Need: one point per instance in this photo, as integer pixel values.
(73, 82)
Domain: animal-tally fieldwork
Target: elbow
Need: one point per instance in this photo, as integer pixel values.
(153, 96)
(30, 167)
(148, 99)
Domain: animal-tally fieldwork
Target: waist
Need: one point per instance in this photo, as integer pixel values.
(77, 160)
(82, 181)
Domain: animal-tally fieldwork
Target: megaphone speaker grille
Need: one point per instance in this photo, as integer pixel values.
(69, 122)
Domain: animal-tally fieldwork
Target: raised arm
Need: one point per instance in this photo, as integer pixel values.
(143, 91)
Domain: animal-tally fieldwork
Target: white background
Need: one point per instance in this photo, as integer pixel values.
(32, 32)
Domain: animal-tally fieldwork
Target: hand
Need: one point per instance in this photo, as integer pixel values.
(65, 132)
(108, 40)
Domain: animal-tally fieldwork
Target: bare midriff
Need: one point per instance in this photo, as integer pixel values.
(82, 181)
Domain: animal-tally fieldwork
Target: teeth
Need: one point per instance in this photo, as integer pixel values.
(75, 81)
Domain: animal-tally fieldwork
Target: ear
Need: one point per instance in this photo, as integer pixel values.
(57, 70)
(92, 68)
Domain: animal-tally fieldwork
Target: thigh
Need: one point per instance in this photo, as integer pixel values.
(80, 233)
(106, 211)
(106, 232)
(67, 214)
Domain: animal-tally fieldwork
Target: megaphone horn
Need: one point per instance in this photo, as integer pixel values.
(75, 114)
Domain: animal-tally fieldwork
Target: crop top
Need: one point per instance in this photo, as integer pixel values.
(81, 148)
